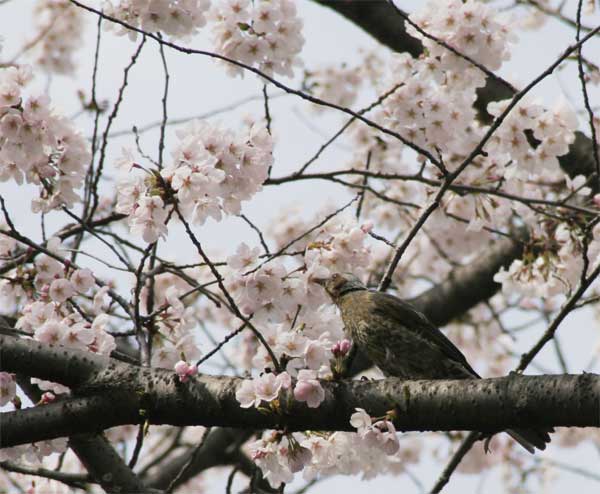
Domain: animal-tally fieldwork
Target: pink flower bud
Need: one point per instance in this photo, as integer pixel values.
(367, 226)
(185, 370)
(341, 348)
(345, 346)
(47, 397)
(247, 310)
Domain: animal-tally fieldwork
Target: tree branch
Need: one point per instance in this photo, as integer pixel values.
(468, 285)
(125, 394)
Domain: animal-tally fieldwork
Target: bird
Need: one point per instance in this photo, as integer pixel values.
(402, 342)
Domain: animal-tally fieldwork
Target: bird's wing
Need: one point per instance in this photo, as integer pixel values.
(406, 315)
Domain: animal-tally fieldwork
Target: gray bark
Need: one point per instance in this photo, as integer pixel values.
(120, 393)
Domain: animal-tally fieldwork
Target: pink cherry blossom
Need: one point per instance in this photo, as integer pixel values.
(268, 385)
(308, 389)
(82, 280)
(184, 370)
(61, 290)
(246, 394)
(8, 388)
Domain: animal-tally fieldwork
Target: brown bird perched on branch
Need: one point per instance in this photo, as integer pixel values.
(402, 342)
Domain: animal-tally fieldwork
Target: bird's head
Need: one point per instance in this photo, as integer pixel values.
(338, 284)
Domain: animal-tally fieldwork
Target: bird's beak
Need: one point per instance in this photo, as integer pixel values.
(319, 281)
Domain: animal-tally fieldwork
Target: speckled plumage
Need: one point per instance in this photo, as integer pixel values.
(399, 339)
(402, 342)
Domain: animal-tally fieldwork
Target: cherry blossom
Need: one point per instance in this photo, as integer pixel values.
(37, 145)
(61, 289)
(338, 85)
(82, 280)
(271, 457)
(266, 34)
(213, 171)
(176, 18)
(309, 389)
(266, 387)
(185, 370)
(60, 26)
(470, 27)
(8, 388)
(381, 434)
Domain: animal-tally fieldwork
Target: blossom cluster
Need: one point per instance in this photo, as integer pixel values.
(8, 388)
(294, 313)
(338, 85)
(211, 173)
(268, 387)
(176, 18)
(381, 434)
(472, 28)
(297, 321)
(265, 34)
(35, 452)
(173, 339)
(60, 30)
(553, 130)
(433, 104)
(372, 450)
(271, 293)
(37, 145)
(46, 292)
(553, 269)
(50, 323)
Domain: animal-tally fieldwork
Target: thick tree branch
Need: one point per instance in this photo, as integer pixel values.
(221, 448)
(379, 19)
(112, 473)
(125, 394)
(51, 362)
(98, 456)
(468, 285)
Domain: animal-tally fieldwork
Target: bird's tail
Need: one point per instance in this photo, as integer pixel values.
(530, 438)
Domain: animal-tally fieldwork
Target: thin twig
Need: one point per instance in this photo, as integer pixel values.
(161, 141)
(221, 344)
(460, 453)
(139, 441)
(232, 305)
(188, 463)
(364, 110)
(364, 184)
(586, 98)
(261, 237)
(111, 118)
